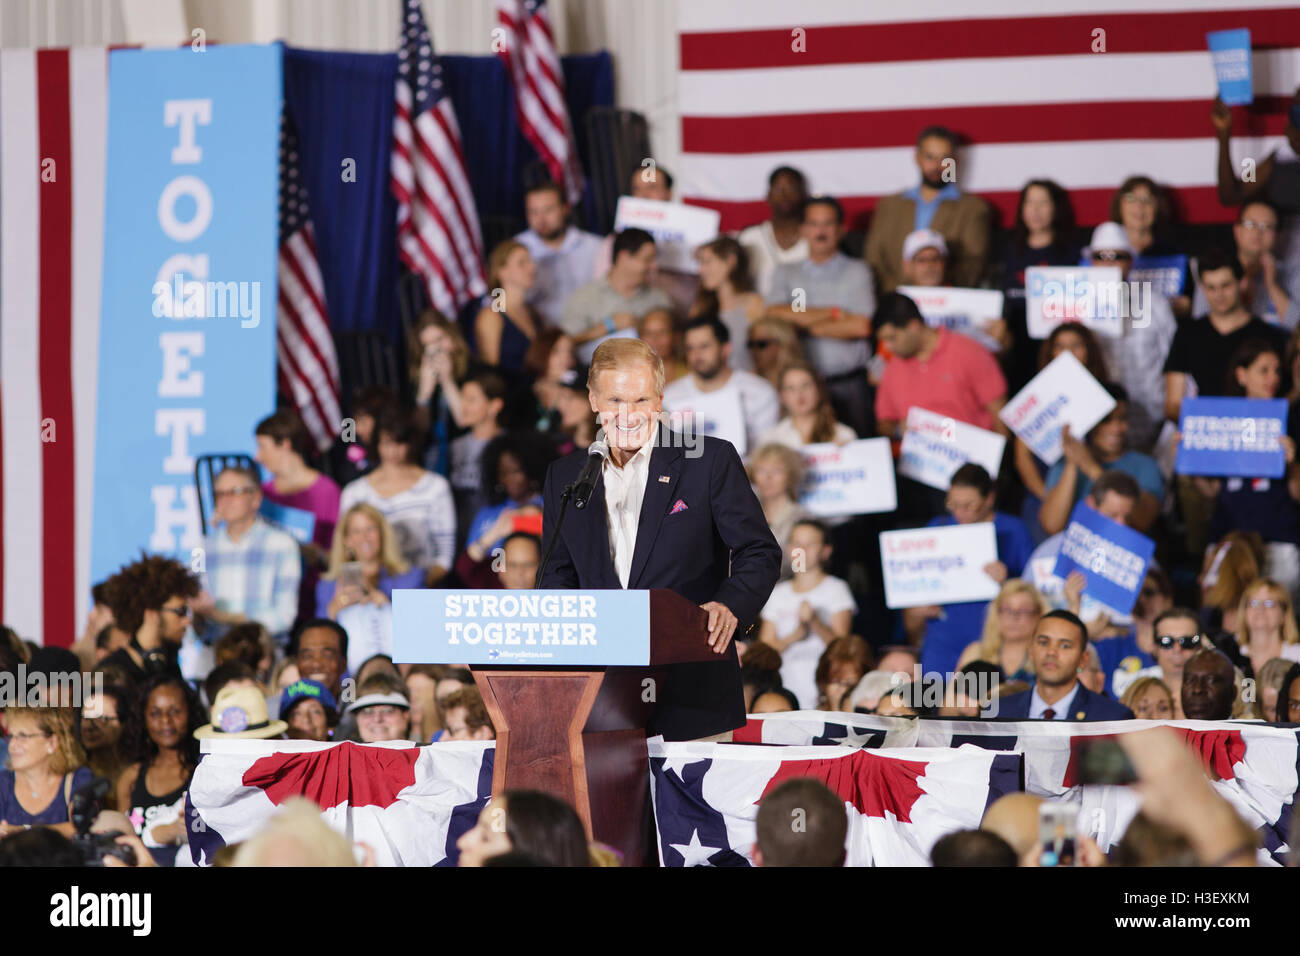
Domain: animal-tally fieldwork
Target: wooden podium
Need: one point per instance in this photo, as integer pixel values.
(579, 733)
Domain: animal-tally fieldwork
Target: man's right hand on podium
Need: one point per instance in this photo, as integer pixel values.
(722, 625)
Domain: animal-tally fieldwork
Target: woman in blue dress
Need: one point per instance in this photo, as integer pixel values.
(507, 324)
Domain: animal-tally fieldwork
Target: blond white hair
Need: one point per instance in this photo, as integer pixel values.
(296, 836)
(616, 353)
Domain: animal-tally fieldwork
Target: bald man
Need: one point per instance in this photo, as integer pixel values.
(1014, 817)
(1209, 686)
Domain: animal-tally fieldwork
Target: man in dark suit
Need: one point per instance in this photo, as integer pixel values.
(668, 511)
(1057, 651)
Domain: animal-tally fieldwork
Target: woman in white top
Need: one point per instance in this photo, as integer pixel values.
(809, 418)
(417, 503)
(1268, 625)
(806, 613)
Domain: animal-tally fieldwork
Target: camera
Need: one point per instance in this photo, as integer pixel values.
(87, 803)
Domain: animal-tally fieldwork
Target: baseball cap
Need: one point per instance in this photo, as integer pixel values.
(1110, 237)
(393, 699)
(923, 239)
(306, 689)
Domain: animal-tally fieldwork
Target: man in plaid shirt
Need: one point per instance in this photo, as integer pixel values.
(251, 570)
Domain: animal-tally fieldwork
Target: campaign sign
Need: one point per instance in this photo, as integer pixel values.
(1230, 51)
(1053, 589)
(851, 479)
(1112, 557)
(1167, 274)
(942, 565)
(522, 628)
(296, 522)
(678, 229)
(1095, 296)
(187, 327)
(1063, 393)
(1233, 437)
(934, 446)
(716, 414)
(959, 310)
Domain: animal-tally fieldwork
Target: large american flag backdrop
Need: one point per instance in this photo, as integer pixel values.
(840, 88)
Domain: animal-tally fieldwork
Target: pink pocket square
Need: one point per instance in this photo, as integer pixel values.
(678, 506)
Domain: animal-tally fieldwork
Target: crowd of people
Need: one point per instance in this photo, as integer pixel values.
(437, 484)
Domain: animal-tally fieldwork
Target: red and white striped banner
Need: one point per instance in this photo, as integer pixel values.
(840, 89)
(53, 115)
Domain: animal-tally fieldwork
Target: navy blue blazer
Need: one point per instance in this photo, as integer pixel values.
(717, 546)
(1085, 706)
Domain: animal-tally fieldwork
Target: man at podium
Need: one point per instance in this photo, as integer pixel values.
(668, 510)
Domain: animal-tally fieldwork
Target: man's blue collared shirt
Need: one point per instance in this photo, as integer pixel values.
(925, 210)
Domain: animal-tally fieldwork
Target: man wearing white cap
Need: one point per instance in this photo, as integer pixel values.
(935, 203)
(925, 256)
(1136, 358)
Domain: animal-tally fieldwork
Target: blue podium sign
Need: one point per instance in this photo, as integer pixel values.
(522, 628)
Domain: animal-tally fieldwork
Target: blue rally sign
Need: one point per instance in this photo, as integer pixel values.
(522, 628)
(187, 336)
(1234, 437)
(1112, 557)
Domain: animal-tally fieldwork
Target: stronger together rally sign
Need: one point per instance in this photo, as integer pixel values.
(1239, 437)
(1113, 558)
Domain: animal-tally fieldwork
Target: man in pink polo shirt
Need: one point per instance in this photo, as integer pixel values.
(941, 371)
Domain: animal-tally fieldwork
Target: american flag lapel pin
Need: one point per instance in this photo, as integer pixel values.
(663, 479)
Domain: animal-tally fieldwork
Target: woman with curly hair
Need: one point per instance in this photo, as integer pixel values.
(166, 753)
(45, 768)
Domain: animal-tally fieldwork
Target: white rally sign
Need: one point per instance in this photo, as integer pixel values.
(943, 565)
(935, 446)
(1095, 296)
(856, 478)
(959, 310)
(1063, 393)
(716, 414)
(678, 229)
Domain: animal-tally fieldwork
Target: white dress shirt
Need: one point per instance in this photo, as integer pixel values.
(624, 492)
(1060, 710)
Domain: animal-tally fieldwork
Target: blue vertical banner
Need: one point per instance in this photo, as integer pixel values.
(187, 338)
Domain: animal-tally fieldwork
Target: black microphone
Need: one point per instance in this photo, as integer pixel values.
(586, 483)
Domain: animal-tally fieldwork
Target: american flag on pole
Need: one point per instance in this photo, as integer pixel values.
(1085, 93)
(308, 365)
(437, 224)
(529, 56)
(53, 142)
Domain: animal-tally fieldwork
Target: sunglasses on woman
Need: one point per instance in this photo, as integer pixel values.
(756, 344)
(1187, 643)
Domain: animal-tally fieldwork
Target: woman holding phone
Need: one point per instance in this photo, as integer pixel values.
(365, 565)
